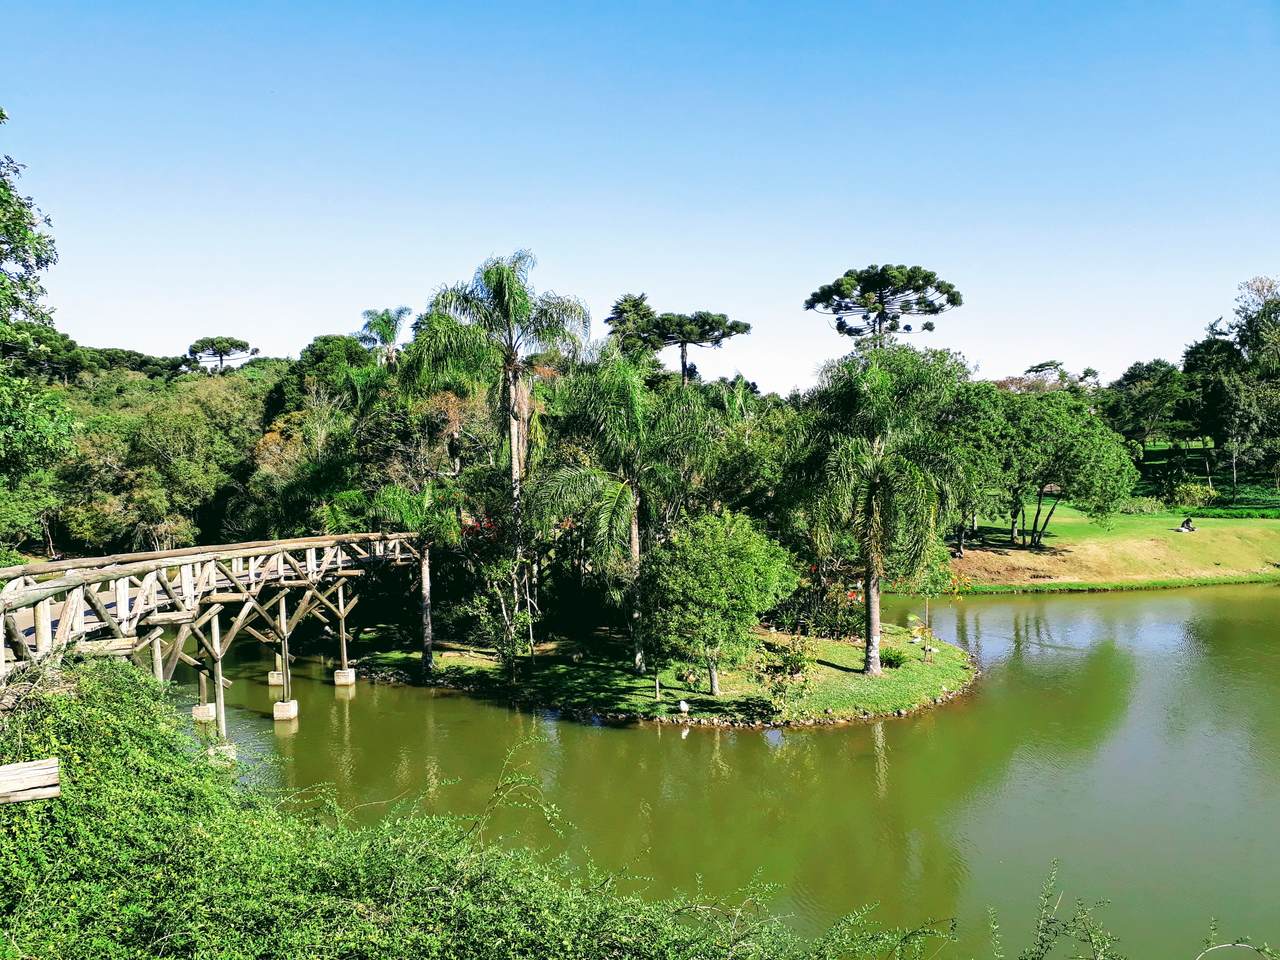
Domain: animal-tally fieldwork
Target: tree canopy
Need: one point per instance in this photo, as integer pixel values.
(220, 349)
(875, 299)
(27, 249)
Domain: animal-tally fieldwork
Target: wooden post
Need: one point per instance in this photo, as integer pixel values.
(121, 589)
(188, 579)
(44, 626)
(219, 696)
(157, 659)
(284, 650)
(77, 612)
(342, 625)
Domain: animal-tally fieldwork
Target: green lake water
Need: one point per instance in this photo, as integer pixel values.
(1134, 737)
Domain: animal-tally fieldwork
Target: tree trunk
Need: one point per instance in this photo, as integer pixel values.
(872, 666)
(715, 677)
(1035, 523)
(1013, 527)
(517, 533)
(428, 635)
(960, 539)
(636, 641)
(684, 363)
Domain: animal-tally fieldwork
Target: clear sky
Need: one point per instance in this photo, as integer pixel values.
(1096, 177)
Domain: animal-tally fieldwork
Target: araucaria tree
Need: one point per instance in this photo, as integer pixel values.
(221, 349)
(874, 300)
(874, 464)
(638, 328)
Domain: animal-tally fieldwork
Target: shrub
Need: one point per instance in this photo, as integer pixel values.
(702, 592)
(1189, 494)
(891, 657)
(1136, 506)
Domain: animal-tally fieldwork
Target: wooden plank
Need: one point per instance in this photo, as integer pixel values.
(169, 616)
(32, 780)
(111, 647)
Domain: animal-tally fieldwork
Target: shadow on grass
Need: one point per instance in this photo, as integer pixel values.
(598, 684)
(839, 666)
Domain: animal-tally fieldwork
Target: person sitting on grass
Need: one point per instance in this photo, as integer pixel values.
(1187, 526)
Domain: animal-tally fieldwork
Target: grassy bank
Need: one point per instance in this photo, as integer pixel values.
(598, 682)
(154, 851)
(1129, 553)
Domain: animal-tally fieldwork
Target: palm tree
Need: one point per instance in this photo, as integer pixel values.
(879, 472)
(381, 332)
(649, 450)
(500, 323)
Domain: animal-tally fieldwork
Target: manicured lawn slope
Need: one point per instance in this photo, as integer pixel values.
(596, 683)
(152, 851)
(1129, 552)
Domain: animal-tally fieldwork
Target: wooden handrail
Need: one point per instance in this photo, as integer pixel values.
(80, 563)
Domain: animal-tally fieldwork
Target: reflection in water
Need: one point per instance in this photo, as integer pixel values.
(1133, 736)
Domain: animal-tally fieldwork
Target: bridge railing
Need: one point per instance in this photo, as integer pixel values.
(125, 604)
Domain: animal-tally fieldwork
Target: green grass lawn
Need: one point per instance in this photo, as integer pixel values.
(598, 682)
(1129, 552)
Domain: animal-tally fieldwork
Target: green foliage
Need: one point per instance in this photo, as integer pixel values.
(153, 461)
(26, 249)
(880, 296)
(1192, 495)
(221, 349)
(28, 507)
(1060, 450)
(35, 427)
(152, 850)
(381, 332)
(704, 590)
(1145, 401)
(1138, 506)
(891, 657)
(639, 329)
(784, 668)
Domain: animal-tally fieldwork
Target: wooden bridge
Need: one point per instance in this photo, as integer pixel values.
(166, 608)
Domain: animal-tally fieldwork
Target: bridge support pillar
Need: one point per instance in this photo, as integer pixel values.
(219, 695)
(344, 678)
(285, 710)
(275, 678)
(203, 713)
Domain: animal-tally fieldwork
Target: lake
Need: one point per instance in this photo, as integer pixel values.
(1134, 737)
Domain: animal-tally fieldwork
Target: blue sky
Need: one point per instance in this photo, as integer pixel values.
(1095, 177)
